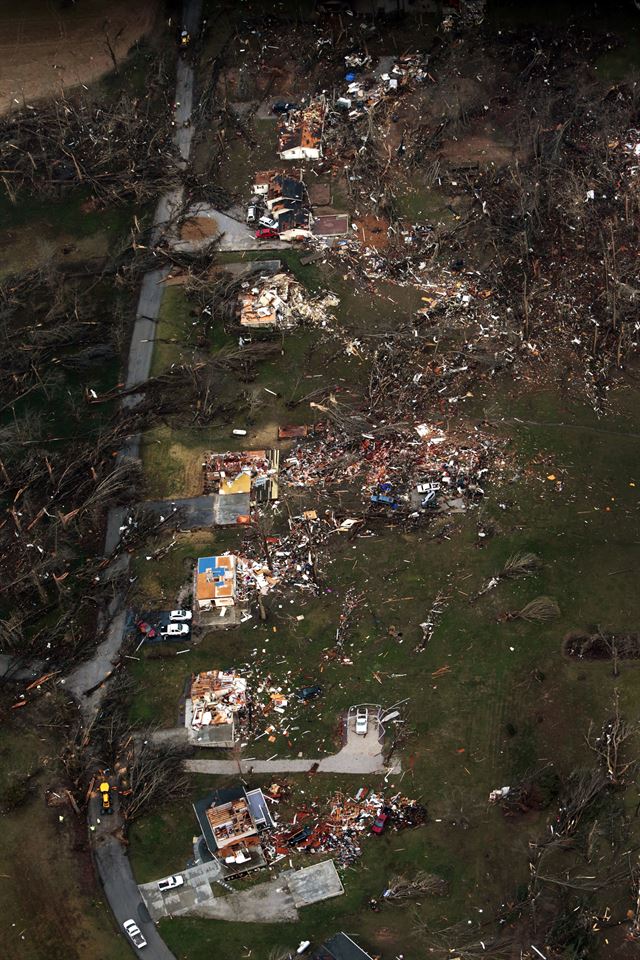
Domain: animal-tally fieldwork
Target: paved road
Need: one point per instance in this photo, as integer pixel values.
(110, 854)
(117, 879)
(139, 365)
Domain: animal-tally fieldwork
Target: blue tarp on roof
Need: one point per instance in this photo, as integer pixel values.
(210, 563)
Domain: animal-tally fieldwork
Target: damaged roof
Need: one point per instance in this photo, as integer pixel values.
(216, 578)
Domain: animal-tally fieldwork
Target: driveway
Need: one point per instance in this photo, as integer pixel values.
(237, 235)
(359, 755)
(273, 901)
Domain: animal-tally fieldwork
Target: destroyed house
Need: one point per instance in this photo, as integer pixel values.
(302, 142)
(213, 701)
(250, 472)
(215, 582)
(300, 135)
(261, 182)
(340, 947)
(295, 225)
(232, 819)
(260, 311)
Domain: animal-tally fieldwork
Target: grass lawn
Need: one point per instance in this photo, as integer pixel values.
(50, 902)
(174, 333)
(509, 703)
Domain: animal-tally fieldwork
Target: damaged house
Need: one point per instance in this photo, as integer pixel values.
(300, 134)
(286, 200)
(215, 582)
(231, 821)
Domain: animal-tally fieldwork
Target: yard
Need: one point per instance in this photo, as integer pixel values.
(507, 704)
(45, 850)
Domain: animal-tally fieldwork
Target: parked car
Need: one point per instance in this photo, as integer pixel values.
(180, 615)
(308, 693)
(105, 793)
(171, 882)
(253, 212)
(266, 233)
(284, 106)
(298, 837)
(380, 822)
(268, 222)
(362, 721)
(134, 932)
(145, 628)
(174, 630)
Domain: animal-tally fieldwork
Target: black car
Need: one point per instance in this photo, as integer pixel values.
(284, 106)
(308, 693)
(301, 835)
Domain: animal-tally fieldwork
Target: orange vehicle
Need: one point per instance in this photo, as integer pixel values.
(105, 793)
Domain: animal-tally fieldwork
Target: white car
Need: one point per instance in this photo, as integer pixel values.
(134, 932)
(171, 882)
(427, 487)
(362, 721)
(268, 222)
(174, 630)
(180, 615)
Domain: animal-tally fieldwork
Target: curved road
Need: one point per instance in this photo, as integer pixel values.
(109, 852)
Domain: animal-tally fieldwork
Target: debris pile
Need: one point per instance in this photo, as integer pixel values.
(339, 829)
(216, 697)
(399, 467)
(365, 92)
(243, 471)
(279, 301)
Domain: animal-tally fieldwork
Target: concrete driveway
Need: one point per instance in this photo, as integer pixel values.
(274, 901)
(358, 755)
(237, 235)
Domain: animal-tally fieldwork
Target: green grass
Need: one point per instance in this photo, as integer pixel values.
(241, 160)
(50, 902)
(70, 215)
(175, 324)
(498, 712)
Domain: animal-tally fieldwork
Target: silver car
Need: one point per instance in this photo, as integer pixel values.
(180, 615)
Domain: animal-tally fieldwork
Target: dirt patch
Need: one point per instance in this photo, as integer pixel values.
(30, 247)
(320, 194)
(373, 231)
(46, 48)
(601, 646)
(479, 147)
(198, 228)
